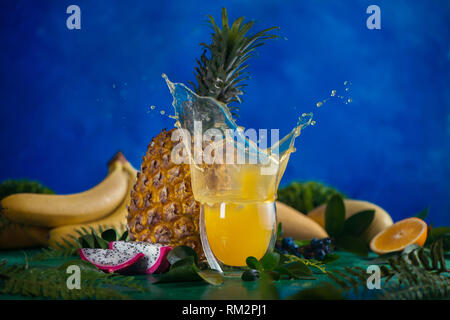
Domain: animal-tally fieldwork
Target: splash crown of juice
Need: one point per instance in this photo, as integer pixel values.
(233, 177)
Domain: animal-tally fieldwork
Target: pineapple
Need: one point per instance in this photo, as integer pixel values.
(162, 208)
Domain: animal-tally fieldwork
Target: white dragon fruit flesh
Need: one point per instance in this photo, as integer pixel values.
(111, 260)
(154, 260)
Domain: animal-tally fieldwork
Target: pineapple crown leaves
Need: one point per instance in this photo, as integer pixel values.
(51, 282)
(221, 74)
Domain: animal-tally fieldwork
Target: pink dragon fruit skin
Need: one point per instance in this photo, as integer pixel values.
(155, 255)
(110, 260)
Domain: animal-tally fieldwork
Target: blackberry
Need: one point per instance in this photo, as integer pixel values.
(286, 243)
(328, 249)
(319, 254)
(315, 243)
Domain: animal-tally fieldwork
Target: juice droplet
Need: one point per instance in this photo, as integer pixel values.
(349, 100)
(333, 93)
(152, 107)
(313, 123)
(162, 112)
(319, 104)
(345, 83)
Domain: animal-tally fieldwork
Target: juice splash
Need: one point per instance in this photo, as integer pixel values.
(220, 166)
(234, 178)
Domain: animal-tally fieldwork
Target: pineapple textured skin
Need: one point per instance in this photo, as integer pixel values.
(162, 207)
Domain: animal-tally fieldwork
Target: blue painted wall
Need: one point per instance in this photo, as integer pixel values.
(70, 99)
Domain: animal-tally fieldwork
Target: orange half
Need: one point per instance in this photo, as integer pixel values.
(399, 236)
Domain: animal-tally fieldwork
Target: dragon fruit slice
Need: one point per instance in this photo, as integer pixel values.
(154, 260)
(112, 260)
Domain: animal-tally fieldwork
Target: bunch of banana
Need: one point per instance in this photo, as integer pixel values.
(44, 219)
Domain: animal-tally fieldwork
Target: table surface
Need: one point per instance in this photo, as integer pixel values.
(232, 288)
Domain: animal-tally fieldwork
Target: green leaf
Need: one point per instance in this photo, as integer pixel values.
(283, 271)
(109, 235)
(283, 257)
(335, 216)
(250, 275)
(299, 268)
(253, 263)
(180, 253)
(184, 272)
(183, 262)
(352, 244)
(124, 236)
(270, 260)
(87, 241)
(358, 223)
(422, 214)
(100, 243)
(329, 258)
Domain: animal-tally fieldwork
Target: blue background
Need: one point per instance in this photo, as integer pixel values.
(69, 99)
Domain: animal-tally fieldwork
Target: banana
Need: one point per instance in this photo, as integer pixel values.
(117, 219)
(296, 225)
(57, 210)
(18, 236)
